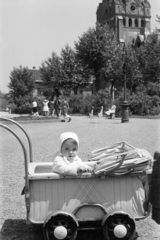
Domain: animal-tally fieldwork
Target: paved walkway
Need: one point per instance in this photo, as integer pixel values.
(8, 115)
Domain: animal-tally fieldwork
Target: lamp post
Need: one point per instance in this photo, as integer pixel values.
(125, 104)
(92, 81)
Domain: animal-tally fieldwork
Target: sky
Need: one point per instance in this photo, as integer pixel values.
(30, 30)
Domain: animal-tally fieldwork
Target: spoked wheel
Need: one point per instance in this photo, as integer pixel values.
(60, 227)
(119, 226)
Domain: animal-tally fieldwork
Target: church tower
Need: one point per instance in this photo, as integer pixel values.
(130, 19)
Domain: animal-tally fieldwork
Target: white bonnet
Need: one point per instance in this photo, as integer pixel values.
(64, 136)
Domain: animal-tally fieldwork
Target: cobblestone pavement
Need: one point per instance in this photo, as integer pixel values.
(93, 133)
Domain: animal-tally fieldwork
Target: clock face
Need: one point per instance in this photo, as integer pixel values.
(133, 8)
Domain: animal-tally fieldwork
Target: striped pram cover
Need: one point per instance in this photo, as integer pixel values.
(119, 159)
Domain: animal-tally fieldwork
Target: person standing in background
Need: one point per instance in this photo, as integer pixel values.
(51, 108)
(57, 106)
(34, 108)
(45, 107)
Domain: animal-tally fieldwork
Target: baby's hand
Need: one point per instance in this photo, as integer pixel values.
(81, 169)
(89, 169)
(84, 169)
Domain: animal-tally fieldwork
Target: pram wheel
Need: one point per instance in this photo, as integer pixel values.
(60, 227)
(119, 226)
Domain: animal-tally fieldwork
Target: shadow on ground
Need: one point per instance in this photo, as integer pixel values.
(18, 229)
(14, 229)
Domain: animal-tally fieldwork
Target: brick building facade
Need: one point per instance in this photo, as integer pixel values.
(130, 19)
(38, 82)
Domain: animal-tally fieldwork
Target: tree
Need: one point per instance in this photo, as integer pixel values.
(3, 101)
(62, 73)
(133, 71)
(99, 51)
(52, 75)
(21, 87)
(149, 59)
(75, 77)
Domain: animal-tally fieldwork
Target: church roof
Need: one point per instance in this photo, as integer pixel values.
(36, 74)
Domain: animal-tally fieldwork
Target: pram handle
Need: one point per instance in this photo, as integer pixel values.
(26, 189)
(122, 174)
(28, 138)
(24, 152)
(116, 167)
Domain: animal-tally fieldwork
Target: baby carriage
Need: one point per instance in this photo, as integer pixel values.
(112, 198)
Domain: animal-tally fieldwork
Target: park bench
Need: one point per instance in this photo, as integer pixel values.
(96, 111)
(112, 116)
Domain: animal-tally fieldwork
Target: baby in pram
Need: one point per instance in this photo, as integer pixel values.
(67, 161)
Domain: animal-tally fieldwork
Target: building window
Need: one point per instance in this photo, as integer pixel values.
(136, 22)
(106, 11)
(124, 22)
(142, 23)
(130, 22)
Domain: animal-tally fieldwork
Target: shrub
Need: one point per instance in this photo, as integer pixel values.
(25, 108)
(86, 104)
(145, 101)
(75, 102)
(83, 105)
(102, 98)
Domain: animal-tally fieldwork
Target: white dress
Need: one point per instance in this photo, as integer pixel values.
(45, 106)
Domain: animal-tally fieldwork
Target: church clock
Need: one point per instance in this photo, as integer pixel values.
(133, 9)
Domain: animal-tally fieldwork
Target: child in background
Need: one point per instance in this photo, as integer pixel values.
(67, 162)
(34, 108)
(64, 108)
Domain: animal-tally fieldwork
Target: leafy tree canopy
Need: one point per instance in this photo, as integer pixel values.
(149, 59)
(99, 51)
(52, 74)
(63, 73)
(21, 86)
(76, 75)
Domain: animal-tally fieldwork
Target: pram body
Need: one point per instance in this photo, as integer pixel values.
(111, 199)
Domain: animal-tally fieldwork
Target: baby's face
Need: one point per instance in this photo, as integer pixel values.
(69, 150)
